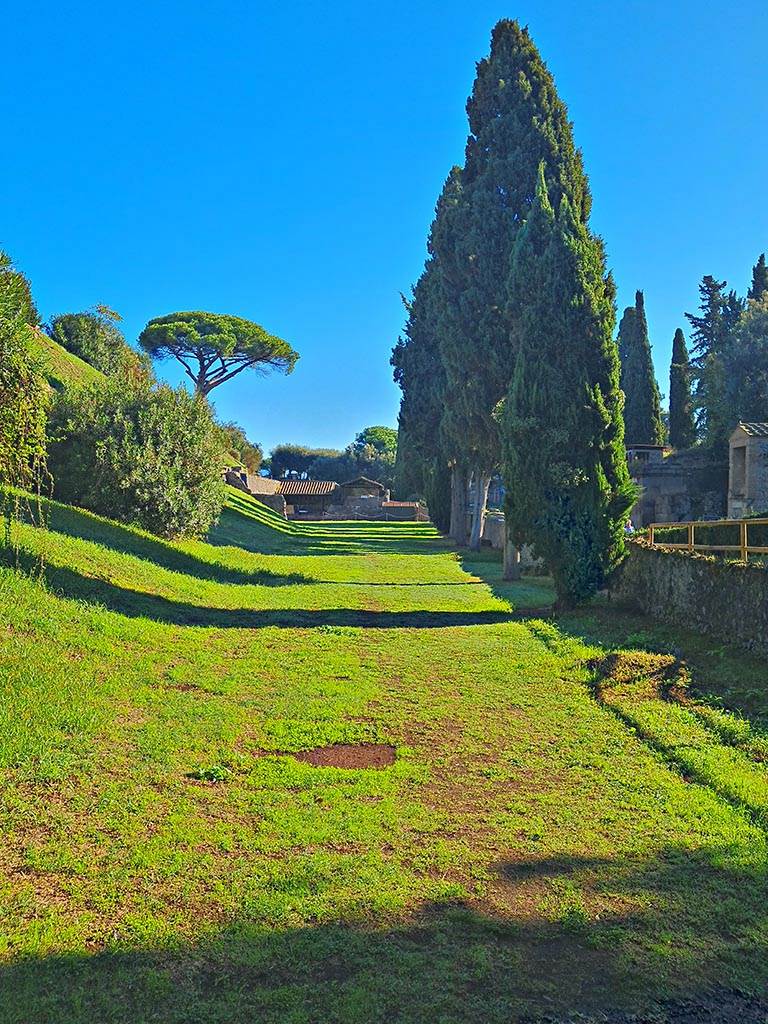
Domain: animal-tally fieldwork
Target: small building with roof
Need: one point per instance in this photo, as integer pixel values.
(309, 497)
(748, 470)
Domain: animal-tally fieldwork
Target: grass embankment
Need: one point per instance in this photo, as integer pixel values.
(561, 830)
(62, 368)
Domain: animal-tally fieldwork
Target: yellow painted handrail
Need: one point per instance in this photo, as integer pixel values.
(744, 548)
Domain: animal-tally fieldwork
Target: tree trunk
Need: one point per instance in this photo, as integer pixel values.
(511, 558)
(482, 482)
(458, 506)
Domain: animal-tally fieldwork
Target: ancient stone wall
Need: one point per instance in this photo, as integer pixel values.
(727, 600)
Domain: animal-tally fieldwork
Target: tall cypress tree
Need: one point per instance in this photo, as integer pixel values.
(682, 428)
(562, 423)
(516, 121)
(642, 405)
(422, 466)
(713, 333)
(759, 286)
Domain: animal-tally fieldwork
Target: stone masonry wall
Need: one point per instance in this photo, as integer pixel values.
(727, 600)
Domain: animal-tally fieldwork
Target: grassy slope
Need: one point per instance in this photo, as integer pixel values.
(538, 845)
(61, 367)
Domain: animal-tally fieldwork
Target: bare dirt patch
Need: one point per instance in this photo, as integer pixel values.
(349, 755)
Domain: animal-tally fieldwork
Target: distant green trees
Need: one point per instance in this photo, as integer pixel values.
(371, 454)
(682, 425)
(213, 348)
(642, 404)
(143, 453)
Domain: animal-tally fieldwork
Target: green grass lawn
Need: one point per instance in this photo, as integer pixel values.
(575, 821)
(62, 368)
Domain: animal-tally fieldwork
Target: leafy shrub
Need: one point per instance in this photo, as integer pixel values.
(240, 450)
(95, 337)
(15, 293)
(145, 454)
(24, 399)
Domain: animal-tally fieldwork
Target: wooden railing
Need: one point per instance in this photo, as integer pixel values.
(743, 548)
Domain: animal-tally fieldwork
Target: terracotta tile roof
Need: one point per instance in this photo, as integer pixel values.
(296, 488)
(755, 429)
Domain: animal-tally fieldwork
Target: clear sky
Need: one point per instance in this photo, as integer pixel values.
(281, 161)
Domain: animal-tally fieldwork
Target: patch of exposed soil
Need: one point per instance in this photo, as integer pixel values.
(349, 755)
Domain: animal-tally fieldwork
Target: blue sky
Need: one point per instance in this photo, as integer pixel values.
(281, 161)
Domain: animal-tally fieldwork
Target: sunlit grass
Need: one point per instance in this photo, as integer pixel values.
(166, 858)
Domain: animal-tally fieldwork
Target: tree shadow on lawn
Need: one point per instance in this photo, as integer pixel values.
(239, 527)
(723, 675)
(80, 525)
(138, 604)
(691, 952)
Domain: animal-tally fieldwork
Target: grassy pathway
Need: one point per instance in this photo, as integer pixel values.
(560, 830)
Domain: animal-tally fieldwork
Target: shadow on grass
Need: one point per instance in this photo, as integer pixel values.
(266, 533)
(72, 522)
(689, 952)
(138, 604)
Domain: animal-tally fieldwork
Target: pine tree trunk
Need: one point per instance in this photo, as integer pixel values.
(482, 482)
(458, 506)
(511, 558)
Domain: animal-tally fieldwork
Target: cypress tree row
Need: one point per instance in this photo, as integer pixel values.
(682, 427)
(759, 286)
(642, 408)
(516, 121)
(568, 490)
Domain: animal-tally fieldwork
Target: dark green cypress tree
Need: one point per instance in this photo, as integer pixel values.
(422, 465)
(642, 405)
(713, 334)
(516, 121)
(759, 286)
(568, 490)
(682, 427)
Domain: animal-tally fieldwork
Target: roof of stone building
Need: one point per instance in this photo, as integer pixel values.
(300, 487)
(754, 429)
(363, 480)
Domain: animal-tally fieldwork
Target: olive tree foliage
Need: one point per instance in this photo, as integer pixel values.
(213, 348)
(146, 454)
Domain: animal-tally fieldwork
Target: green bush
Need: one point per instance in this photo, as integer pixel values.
(24, 399)
(145, 454)
(95, 337)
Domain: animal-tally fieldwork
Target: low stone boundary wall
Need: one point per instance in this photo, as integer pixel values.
(727, 600)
